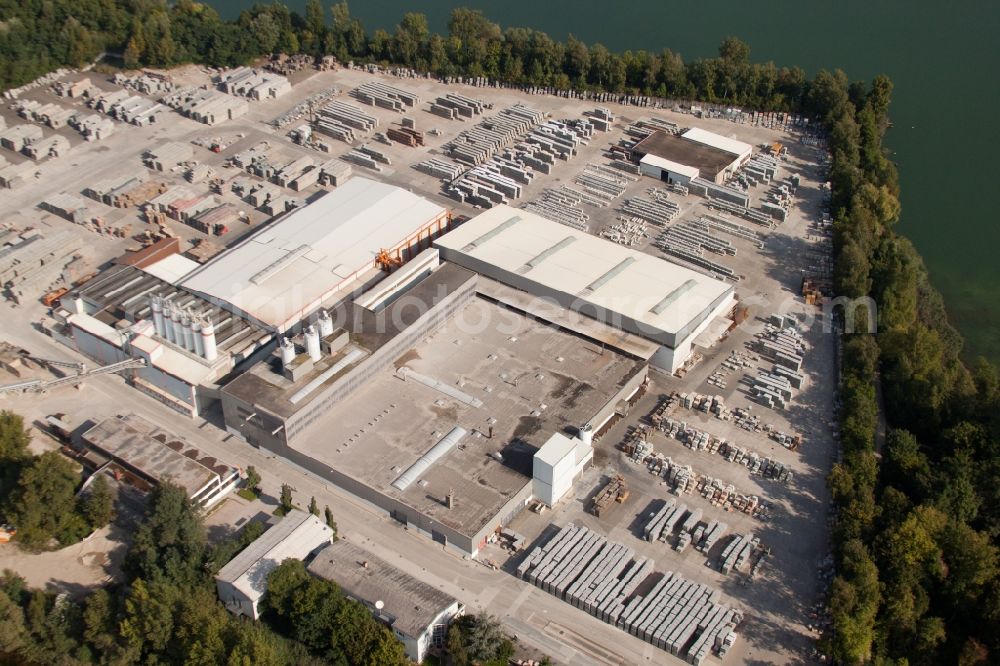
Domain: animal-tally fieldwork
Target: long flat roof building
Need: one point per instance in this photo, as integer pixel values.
(289, 268)
(417, 613)
(152, 455)
(630, 290)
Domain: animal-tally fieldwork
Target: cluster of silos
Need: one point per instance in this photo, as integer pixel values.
(193, 332)
(312, 335)
(602, 577)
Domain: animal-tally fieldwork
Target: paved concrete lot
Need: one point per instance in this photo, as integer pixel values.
(775, 603)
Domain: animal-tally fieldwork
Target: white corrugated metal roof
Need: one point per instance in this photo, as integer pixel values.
(718, 141)
(172, 268)
(663, 298)
(287, 268)
(298, 534)
(669, 165)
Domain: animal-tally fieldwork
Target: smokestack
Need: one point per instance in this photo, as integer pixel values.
(287, 352)
(325, 323)
(586, 434)
(312, 343)
(208, 340)
(449, 499)
(199, 345)
(156, 305)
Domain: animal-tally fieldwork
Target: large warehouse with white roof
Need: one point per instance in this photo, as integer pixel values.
(629, 290)
(288, 269)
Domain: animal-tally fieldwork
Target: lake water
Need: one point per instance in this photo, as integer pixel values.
(942, 59)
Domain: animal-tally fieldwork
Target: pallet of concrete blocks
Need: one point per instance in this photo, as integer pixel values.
(601, 576)
(444, 169)
(406, 136)
(477, 144)
(713, 532)
(737, 553)
(385, 96)
(602, 119)
(459, 106)
(681, 477)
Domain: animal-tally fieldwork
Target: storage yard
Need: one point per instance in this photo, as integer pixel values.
(695, 534)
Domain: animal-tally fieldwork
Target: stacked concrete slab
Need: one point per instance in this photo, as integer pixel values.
(477, 144)
(601, 577)
(340, 120)
(376, 93)
(453, 106)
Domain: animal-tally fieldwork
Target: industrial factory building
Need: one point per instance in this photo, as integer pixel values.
(195, 324)
(241, 584)
(319, 253)
(649, 298)
(148, 456)
(417, 613)
(695, 153)
(428, 400)
(134, 309)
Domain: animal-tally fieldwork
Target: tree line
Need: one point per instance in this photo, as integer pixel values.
(41, 35)
(917, 523)
(41, 496)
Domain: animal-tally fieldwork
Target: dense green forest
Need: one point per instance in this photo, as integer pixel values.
(39, 494)
(917, 523)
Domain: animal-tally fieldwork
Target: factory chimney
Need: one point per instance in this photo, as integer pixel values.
(325, 324)
(586, 434)
(287, 352)
(208, 340)
(449, 499)
(312, 343)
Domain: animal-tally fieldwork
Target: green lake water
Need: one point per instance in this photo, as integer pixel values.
(942, 57)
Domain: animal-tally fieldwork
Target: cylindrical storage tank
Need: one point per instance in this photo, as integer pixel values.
(287, 352)
(312, 342)
(174, 333)
(156, 305)
(187, 335)
(325, 324)
(199, 345)
(208, 340)
(587, 434)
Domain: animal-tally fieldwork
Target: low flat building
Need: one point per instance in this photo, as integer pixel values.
(151, 455)
(693, 153)
(417, 613)
(241, 584)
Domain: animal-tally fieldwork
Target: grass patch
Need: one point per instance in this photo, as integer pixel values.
(248, 494)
